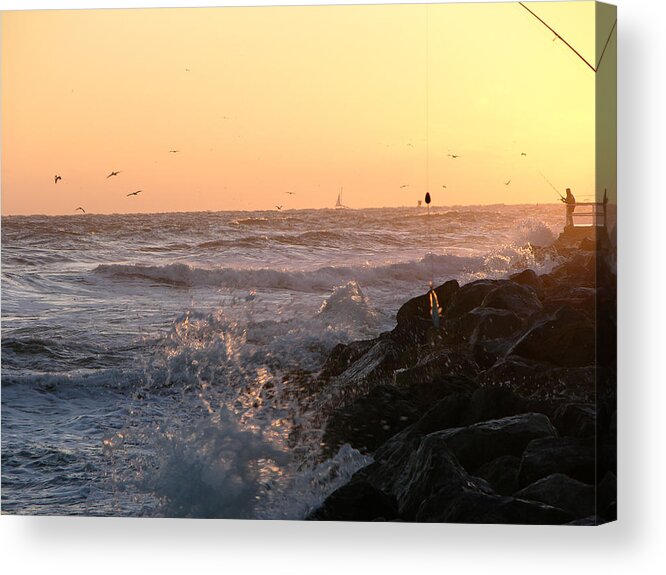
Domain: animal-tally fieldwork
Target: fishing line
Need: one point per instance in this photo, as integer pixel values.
(551, 185)
(427, 129)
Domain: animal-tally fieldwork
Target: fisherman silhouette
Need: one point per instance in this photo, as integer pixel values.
(570, 201)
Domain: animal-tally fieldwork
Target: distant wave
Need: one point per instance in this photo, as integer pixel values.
(311, 238)
(324, 278)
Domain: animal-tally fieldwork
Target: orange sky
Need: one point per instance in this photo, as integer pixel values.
(302, 99)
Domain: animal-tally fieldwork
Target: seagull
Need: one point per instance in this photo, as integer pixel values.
(404, 186)
(279, 207)
(523, 154)
(187, 69)
(453, 156)
(507, 183)
(57, 178)
(174, 151)
(290, 193)
(79, 208)
(443, 186)
(112, 174)
(134, 193)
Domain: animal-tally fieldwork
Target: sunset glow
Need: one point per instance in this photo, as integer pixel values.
(264, 101)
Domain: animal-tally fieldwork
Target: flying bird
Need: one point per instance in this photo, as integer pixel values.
(453, 156)
(134, 193)
(174, 151)
(290, 193)
(112, 174)
(80, 208)
(404, 186)
(279, 207)
(523, 154)
(507, 183)
(57, 178)
(443, 186)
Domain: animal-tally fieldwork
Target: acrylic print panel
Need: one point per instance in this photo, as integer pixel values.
(329, 263)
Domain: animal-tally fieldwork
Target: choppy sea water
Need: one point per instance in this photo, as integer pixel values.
(151, 363)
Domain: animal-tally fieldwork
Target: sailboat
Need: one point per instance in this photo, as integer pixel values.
(339, 205)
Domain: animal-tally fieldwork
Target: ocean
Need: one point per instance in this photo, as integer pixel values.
(154, 364)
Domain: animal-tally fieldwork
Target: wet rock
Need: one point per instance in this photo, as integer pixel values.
(582, 299)
(518, 299)
(579, 271)
(532, 378)
(379, 362)
(469, 297)
(489, 352)
(357, 501)
(477, 507)
(529, 278)
(415, 315)
(568, 455)
(568, 339)
(501, 473)
(436, 367)
(342, 356)
(489, 403)
(370, 420)
(492, 323)
(445, 414)
(575, 420)
(561, 491)
(432, 470)
(482, 442)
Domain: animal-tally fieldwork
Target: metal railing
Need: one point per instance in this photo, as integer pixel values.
(596, 216)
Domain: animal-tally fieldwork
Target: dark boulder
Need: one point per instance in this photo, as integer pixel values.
(482, 442)
(568, 339)
(370, 420)
(563, 492)
(357, 501)
(489, 403)
(415, 313)
(378, 363)
(518, 299)
(432, 469)
(492, 323)
(469, 297)
(529, 278)
(501, 473)
(568, 455)
(532, 378)
(344, 355)
(582, 299)
(473, 506)
(436, 367)
(575, 420)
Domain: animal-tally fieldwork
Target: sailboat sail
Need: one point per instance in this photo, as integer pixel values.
(338, 204)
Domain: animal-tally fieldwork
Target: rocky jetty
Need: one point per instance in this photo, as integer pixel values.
(505, 414)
